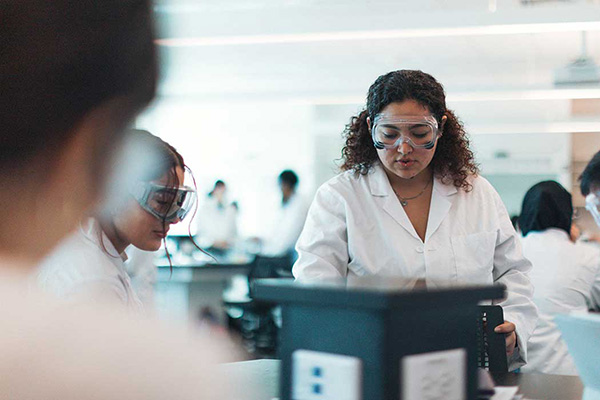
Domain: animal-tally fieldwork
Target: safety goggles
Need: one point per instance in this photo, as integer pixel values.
(592, 204)
(419, 132)
(165, 203)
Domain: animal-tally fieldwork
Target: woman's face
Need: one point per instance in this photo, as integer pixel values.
(405, 161)
(140, 228)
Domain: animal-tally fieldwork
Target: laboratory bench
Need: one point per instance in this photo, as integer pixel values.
(188, 285)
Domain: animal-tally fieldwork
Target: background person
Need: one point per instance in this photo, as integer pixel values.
(216, 220)
(289, 219)
(410, 203)
(566, 275)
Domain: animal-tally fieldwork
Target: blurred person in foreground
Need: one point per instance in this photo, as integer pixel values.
(73, 74)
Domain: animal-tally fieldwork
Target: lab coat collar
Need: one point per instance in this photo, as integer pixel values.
(440, 201)
(379, 183)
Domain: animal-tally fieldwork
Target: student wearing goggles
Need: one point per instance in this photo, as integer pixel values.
(159, 197)
(409, 202)
(168, 204)
(419, 132)
(406, 136)
(154, 200)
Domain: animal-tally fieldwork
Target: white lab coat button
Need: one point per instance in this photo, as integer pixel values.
(419, 249)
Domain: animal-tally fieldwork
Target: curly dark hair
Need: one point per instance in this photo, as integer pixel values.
(453, 161)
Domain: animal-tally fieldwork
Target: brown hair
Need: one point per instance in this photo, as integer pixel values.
(165, 159)
(453, 160)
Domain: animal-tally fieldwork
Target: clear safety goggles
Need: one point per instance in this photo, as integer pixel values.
(168, 204)
(419, 132)
(592, 204)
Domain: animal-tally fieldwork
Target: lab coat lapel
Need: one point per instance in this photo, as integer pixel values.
(441, 202)
(381, 188)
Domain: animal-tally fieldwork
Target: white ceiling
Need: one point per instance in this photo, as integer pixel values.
(312, 49)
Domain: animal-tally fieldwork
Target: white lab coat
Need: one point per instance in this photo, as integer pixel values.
(86, 265)
(567, 280)
(143, 272)
(356, 226)
(286, 227)
(51, 349)
(216, 223)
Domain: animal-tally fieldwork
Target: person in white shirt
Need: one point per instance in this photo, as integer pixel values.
(217, 220)
(410, 203)
(91, 263)
(566, 275)
(289, 219)
(73, 74)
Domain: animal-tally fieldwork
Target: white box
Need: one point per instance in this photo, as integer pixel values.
(325, 376)
(439, 375)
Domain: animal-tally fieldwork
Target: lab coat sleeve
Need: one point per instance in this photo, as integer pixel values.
(323, 244)
(511, 268)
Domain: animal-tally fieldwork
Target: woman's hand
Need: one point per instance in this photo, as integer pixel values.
(508, 328)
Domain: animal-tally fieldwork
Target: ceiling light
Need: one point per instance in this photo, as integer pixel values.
(240, 40)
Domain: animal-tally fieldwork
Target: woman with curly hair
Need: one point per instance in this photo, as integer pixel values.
(410, 203)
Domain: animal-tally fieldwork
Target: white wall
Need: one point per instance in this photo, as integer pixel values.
(246, 145)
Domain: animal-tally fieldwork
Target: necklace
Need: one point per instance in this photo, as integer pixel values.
(404, 200)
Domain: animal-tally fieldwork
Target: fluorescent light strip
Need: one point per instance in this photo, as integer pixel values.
(458, 97)
(383, 34)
